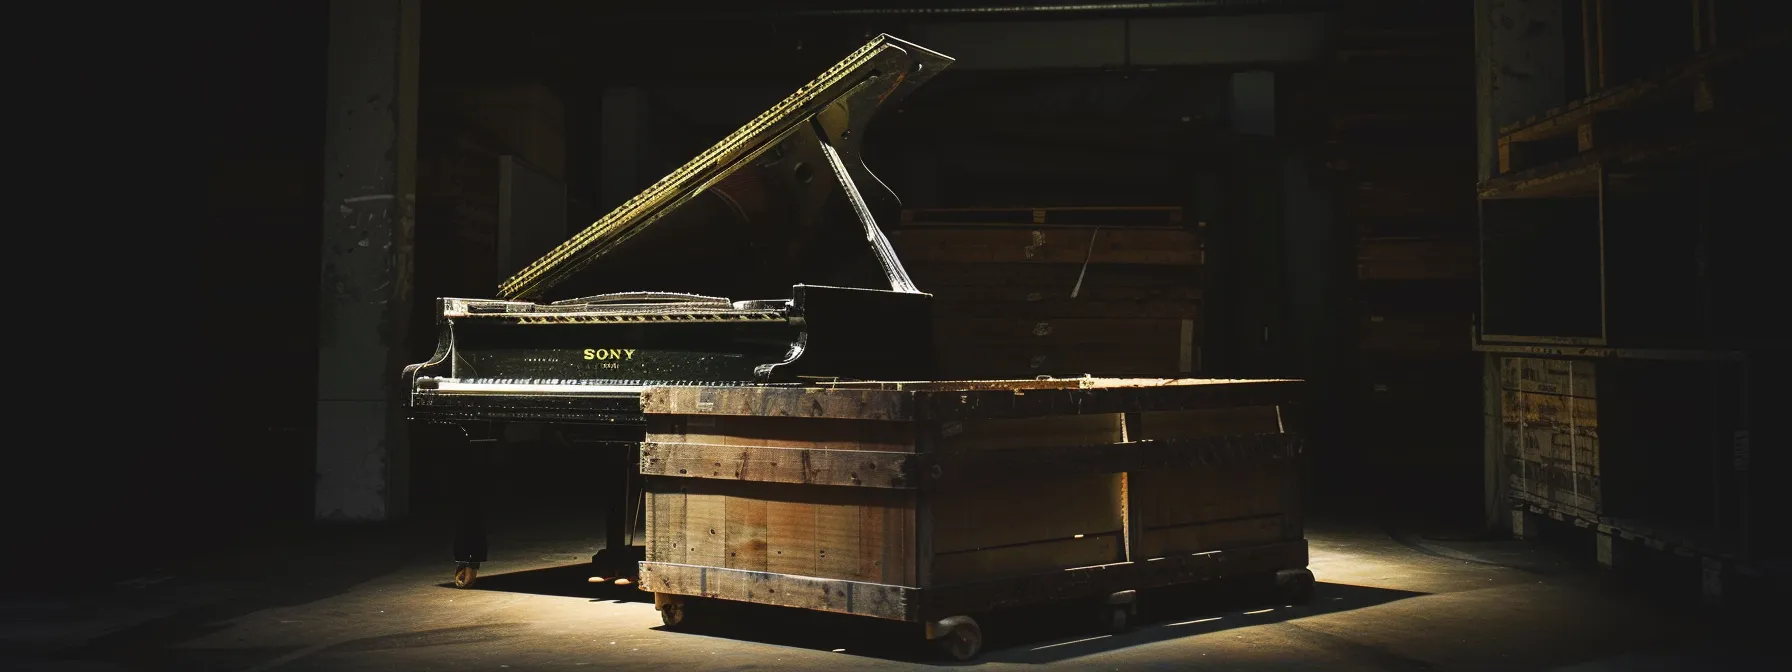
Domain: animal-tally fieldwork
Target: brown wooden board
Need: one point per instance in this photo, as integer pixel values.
(782, 432)
(981, 360)
(1094, 281)
(1004, 303)
(1113, 458)
(1100, 580)
(987, 399)
(854, 534)
(1084, 332)
(780, 465)
(1440, 332)
(803, 592)
(778, 402)
(1416, 259)
(1069, 245)
(1107, 397)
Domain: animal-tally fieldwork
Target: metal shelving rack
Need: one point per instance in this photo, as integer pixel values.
(1561, 178)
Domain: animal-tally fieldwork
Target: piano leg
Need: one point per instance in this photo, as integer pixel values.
(472, 469)
(621, 494)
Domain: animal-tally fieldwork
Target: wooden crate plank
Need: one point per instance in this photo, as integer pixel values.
(1417, 332)
(1021, 304)
(979, 360)
(1044, 556)
(790, 537)
(802, 592)
(747, 540)
(1416, 259)
(1016, 512)
(705, 525)
(874, 540)
(665, 539)
(1511, 373)
(1206, 422)
(875, 469)
(1061, 430)
(804, 402)
(1211, 535)
(1177, 505)
(1102, 580)
(838, 537)
(1089, 333)
(1108, 397)
(828, 433)
(967, 468)
(1069, 245)
(1584, 379)
(1094, 282)
(1511, 406)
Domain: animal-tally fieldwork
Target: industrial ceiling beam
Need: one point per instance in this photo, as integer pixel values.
(1038, 10)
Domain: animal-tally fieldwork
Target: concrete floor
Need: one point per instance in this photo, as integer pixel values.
(377, 599)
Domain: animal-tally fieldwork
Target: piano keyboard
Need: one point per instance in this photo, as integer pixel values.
(585, 387)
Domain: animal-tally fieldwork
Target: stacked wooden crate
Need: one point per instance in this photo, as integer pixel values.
(1058, 291)
(1397, 107)
(1550, 432)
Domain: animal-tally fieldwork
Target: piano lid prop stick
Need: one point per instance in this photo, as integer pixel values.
(897, 275)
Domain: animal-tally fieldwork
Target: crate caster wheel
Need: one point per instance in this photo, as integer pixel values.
(957, 637)
(1295, 586)
(675, 610)
(465, 574)
(1118, 611)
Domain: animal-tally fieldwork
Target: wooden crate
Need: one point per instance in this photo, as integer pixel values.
(1059, 245)
(1014, 302)
(928, 502)
(1414, 258)
(1549, 414)
(1421, 333)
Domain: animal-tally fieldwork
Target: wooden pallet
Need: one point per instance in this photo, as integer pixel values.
(935, 502)
(1624, 114)
(1416, 258)
(1624, 545)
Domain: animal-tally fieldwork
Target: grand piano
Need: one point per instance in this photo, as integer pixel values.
(761, 261)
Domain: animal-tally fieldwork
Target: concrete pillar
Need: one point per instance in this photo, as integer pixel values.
(370, 159)
(1520, 66)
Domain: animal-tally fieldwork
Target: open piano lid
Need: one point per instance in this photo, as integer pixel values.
(784, 200)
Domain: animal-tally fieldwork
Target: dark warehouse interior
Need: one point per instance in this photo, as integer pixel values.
(1500, 271)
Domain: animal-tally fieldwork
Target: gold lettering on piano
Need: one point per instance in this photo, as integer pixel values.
(606, 354)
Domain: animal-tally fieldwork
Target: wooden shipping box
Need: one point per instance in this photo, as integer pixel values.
(1016, 301)
(1550, 424)
(886, 489)
(1416, 259)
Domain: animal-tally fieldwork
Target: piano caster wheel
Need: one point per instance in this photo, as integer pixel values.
(674, 609)
(465, 573)
(958, 638)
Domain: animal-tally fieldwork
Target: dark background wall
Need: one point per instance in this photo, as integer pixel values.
(1239, 132)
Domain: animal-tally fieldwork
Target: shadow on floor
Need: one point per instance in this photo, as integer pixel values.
(560, 581)
(1035, 635)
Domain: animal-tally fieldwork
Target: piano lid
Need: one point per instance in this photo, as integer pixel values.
(784, 200)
